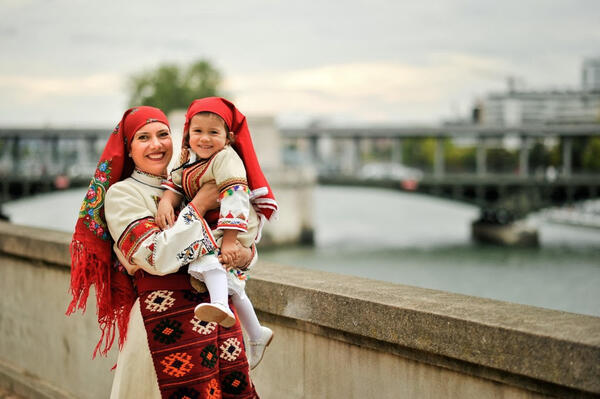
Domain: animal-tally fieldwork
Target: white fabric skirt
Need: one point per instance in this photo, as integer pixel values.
(236, 284)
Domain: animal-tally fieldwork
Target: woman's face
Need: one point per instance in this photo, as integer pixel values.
(152, 148)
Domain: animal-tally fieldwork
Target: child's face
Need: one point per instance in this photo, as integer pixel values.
(207, 135)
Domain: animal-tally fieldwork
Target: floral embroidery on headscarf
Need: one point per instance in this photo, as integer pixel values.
(92, 206)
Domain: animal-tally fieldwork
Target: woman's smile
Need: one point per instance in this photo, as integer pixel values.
(152, 148)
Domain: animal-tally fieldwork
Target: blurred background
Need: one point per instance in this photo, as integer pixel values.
(452, 145)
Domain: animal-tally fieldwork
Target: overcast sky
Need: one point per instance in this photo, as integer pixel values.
(66, 63)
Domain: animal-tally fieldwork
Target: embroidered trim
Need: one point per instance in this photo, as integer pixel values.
(135, 234)
(208, 240)
(191, 252)
(235, 183)
(185, 393)
(239, 274)
(203, 327)
(209, 356)
(230, 349)
(191, 175)
(213, 391)
(177, 364)
(159, 301)
(91, 209)
(234, 383)
(239, 222)
(169, 185)
(141, 172)
(167, 331)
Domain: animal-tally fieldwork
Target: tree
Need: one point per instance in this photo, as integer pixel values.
(171, 87)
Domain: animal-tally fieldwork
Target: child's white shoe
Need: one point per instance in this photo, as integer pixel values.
(216, 312)
(257, 348)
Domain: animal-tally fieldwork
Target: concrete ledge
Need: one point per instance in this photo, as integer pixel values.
(23, 383)
(555, 347)
(34, 243)
(539, 350)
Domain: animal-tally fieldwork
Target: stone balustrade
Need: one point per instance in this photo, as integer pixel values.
(335, 336)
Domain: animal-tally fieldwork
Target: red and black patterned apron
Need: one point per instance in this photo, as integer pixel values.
(192, 358)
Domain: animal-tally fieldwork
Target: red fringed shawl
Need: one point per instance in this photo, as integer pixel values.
(92, 258)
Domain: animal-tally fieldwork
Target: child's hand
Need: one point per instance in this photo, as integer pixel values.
(165, 215)
(230, 253)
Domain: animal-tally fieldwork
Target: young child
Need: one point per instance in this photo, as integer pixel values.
(213, 126)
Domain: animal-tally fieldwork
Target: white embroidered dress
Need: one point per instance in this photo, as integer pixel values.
(227, 170)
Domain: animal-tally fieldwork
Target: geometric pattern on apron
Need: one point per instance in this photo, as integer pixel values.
(192, 358)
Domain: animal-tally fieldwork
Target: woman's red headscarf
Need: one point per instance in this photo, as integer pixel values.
(262, 195)
(92, 260)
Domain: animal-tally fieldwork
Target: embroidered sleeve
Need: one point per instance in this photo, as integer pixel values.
(234, 196)
(173, 183)
(170, 183)
(142, 243)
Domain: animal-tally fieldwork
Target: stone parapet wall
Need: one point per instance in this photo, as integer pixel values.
(336, 336)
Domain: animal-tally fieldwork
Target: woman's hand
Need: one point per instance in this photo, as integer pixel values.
(243, 259)
(206, 198)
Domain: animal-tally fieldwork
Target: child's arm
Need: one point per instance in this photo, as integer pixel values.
(165, 215)
(230, 252)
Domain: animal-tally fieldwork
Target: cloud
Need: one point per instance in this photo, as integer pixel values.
(373, 91)
(34, 88)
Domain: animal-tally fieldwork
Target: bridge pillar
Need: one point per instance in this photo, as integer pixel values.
(524, 156)
(517, 233)
(397, 150)
(567, 151)
(16, 155)
(438, 159)
(314, 149)
(481, 157)
(357, 153)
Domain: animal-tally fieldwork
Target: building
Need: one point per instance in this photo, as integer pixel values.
(524, 107)
(590, 74)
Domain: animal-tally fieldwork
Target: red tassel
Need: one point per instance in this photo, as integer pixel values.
(114, 293)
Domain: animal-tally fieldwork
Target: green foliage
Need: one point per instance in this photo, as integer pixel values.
(460, 159)
(591, 155)
(170, 87)
(500, 160)
(419, 152)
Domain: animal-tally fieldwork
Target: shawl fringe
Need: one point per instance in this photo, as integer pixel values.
(114, 293)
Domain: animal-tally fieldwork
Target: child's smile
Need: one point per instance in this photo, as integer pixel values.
(208, 135)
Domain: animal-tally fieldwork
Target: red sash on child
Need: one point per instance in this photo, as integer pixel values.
(192, 358)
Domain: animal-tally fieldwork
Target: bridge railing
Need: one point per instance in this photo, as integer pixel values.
(335, 336)
(486, 149)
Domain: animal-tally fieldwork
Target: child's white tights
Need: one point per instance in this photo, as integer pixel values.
(216, 283)
(247, 316)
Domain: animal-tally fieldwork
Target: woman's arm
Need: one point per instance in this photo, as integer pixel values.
(140, 240)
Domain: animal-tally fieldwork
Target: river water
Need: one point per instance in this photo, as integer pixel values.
(415, 240)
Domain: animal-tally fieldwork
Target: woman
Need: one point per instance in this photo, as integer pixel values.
(165, 350)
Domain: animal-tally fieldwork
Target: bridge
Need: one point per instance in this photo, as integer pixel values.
(39, 160)
(504, 197)
(45, 159)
